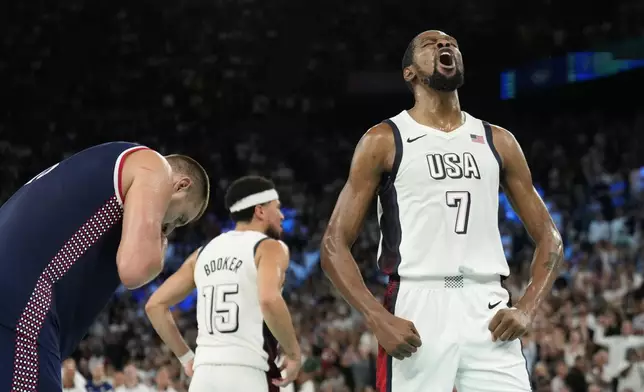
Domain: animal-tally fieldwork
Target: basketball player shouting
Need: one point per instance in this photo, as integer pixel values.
(438, 208)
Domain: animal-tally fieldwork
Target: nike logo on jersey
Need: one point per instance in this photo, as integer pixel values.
(492, 306)
(411, 140)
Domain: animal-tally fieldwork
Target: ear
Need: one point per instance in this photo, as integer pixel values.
(409, 74)
(183, 184)
(259, 211)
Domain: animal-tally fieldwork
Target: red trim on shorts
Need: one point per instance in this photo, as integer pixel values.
(383, 378)
(126, 153)
(384, 361)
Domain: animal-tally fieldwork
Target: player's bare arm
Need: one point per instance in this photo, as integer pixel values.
(517, 184)
(272, 260)
(373, 156)
(147, 185)
(174, 290)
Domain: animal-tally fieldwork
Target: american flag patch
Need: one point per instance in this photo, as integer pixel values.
(477, 139)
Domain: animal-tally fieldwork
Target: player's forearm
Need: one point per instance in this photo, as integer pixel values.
(547, 258)
(278, 319)
(167, 329)
(155, 267)
(341, 268)
(139, 266)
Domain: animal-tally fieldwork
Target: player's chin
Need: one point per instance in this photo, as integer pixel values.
(275, 233)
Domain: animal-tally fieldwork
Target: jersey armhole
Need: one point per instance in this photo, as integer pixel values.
(200, 251)
(255, 249)
(389, 178)
(257, 244)
(490, 142)
(118, 172)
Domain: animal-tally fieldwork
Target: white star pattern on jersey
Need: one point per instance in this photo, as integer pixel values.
(26, 363)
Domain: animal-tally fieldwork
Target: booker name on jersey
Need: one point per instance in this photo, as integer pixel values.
(231, 329)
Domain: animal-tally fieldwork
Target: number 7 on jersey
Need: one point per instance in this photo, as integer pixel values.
(461, 201)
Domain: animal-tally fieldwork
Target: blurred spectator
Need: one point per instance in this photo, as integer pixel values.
(71, 382)
(558, 383)
(599, 229)
(162, 381)
(132, 382)
(576, 377)
(618, 346)
(632, 378)
(98, 381)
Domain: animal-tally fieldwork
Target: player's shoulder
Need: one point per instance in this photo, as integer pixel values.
(500, 131)
(382, 130)
(505, 144)
(146, 159)
(378, 139)
(270, 245)
(500, 135)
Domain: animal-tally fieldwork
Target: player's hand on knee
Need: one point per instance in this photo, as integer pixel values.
(397, 336)
(292, 368)
(509, 324)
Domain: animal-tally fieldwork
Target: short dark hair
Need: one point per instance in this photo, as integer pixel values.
(185, 165)
(244, 187)
(408, 59)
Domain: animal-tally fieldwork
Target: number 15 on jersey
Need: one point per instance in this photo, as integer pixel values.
(222, 312)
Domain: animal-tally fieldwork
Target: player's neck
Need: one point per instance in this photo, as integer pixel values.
(437, 109)
(252, 226)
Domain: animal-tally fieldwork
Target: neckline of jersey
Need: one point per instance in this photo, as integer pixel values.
(438, 132)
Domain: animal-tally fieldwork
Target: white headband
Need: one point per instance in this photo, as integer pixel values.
(255, 199)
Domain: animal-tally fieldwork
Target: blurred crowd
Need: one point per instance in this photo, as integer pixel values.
(147, 68)
(178, 77)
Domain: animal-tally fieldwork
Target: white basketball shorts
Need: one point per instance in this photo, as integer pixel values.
(452, 316)
(225, 378)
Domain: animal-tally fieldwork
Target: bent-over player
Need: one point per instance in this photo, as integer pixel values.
(441, 169)
(239, 277)
(69, 237)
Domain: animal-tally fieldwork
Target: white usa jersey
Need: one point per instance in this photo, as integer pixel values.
(229, 318)
(438, 212)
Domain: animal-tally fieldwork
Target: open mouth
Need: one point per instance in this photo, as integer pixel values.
(446, 59)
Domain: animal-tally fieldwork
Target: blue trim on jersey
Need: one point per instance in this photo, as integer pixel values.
(390, 226)
(490, 142)
(389, 178)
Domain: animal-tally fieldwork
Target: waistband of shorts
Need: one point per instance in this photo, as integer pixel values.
(229, 355)
(448, 282)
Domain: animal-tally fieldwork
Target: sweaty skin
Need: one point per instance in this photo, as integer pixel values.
(548, 255)
(147, 186)
(373, 156)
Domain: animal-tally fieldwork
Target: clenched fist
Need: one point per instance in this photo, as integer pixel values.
(397, 336)
(509, 324)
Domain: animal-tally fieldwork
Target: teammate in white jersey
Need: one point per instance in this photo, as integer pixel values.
(239, 277)
(441, 170)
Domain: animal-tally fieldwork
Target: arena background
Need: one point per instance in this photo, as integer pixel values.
(285, 89)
